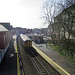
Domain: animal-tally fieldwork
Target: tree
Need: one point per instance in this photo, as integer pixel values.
(49, 12)
(69, 2)
(67, 21)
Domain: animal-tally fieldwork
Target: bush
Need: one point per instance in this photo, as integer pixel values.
(69, 46)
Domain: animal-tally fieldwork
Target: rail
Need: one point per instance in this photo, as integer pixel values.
(39, 66)
(20, 61)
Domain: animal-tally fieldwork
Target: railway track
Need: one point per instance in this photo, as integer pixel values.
(26, 66)
(20, 60)
(42, 67)
(39, 66)
(21, 65)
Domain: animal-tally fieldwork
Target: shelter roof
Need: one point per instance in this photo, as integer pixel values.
(3, 29)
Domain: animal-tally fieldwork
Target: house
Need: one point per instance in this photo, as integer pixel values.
(64, 22)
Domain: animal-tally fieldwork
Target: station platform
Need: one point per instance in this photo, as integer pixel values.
(56, 60)
(8, 66)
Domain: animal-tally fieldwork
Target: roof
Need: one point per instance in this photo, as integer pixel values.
(24, 37)
(6, 24)
(72, 7)
(3, 29)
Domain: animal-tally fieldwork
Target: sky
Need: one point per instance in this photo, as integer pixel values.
(22, 13)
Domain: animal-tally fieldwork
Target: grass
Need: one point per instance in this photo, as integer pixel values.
(63, 52)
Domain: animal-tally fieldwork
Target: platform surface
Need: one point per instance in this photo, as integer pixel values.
(57, 59)
(9, 63)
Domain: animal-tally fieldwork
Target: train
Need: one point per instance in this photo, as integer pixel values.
(37, 38)
(26, 42)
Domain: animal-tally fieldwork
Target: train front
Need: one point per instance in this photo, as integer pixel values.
(28, 43)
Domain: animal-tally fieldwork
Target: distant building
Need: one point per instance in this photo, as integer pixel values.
(19, 30)
(45, 32)
(37, 38)
(36, 31)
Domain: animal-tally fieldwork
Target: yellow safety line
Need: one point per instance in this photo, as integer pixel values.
(50, 61)
(18, 68)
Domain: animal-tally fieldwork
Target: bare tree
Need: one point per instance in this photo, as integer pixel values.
(49, 12)
(69, 2)
(63, 4)
(68, 16)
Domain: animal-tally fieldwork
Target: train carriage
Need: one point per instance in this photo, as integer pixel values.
(26, 42)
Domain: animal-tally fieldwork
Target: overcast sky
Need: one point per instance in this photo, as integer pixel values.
(21, 13)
